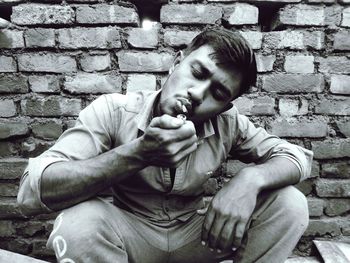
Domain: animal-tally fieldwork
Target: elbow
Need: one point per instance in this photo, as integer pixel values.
(28, 204)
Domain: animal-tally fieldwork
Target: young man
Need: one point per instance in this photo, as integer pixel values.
(157, 163)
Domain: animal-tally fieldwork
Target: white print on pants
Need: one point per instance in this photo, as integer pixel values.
(59, 243)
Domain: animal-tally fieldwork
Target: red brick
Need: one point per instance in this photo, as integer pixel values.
(39, 37)
(30, 228)
(13, 83)
(7, 149)
(336, 207)
(299, 128)
(49, 130)
(8, 189)
(255, 106)
(7, 64)
(144, 62)
(336, 170)
(333, 188)
(101, 38)
(293, 107)
(293, 83)
(287, 39)
(11, 38)
(11, 129)
(93, 83)
(322, 227)
(314, 39)
(33, 148)
(301, 15)
(12, 168)
(265, 63)
(138, 82)
(340, 84)
(46, 62)
(95, 62)
(9, 208)
(143, 38)
(342, 41)
(344, 127)
(7, 228)
(254, 38)
(315, 169)
(40, 249)
(315, 206)
(190, 14)
(334, 64)
(329, 149)
(106, 14)
(336, 105)
(305, 186)
(44, 83)
(7, 108)
(241, 14)
(33, 14)
(346, 17)
(51, 106)
(299, 64)
(179, 38)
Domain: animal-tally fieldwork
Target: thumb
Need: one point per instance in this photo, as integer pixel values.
(166, 122)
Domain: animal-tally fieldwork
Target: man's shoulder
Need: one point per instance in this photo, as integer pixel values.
(131, 101)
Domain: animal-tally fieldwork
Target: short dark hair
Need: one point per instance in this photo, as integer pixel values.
(230, 50)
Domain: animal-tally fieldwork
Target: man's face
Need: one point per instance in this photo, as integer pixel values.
(197, 83)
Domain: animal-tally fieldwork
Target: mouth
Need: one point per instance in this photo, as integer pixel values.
(183, 106)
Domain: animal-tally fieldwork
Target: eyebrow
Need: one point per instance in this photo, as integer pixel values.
(218, 84)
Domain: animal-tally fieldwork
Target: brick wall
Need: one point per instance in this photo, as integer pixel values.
(57, 56)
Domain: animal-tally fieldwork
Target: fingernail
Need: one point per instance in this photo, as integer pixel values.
(203, 243)
(211, 249)
(218, 250)
(234, 249)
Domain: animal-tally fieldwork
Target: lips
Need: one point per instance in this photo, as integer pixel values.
(181, 103)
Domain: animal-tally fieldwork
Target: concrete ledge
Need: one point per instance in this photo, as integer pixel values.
(7, 256)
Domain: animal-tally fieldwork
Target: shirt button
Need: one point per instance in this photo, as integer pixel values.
(166, 209)
(210, 173)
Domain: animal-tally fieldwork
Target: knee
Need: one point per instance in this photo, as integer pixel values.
(75, 224)
(293, 205)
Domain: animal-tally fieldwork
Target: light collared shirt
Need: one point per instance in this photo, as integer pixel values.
(115, 119)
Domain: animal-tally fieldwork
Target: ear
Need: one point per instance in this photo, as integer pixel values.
(178, 58)
(227, 107)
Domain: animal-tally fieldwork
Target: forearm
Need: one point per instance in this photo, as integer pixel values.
(275, 173)
(64, 184)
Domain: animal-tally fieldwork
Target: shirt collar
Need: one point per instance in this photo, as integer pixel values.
(145, 116)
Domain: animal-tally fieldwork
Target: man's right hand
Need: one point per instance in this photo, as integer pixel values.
(167, 141)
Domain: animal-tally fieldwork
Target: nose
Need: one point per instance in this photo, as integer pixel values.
(197, 92)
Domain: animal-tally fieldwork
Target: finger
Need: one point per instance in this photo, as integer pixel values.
(166, 122)
(215, 231)
(240, 229)
(227, 235)
(208, 221)
(178, 159)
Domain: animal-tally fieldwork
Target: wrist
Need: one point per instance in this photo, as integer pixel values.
(251, 178)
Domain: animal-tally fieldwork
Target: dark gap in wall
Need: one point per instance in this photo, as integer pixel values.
(149, 10)
(5, 12)
(267, 15)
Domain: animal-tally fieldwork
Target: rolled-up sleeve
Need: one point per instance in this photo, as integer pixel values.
(90, 136)
(254, 144)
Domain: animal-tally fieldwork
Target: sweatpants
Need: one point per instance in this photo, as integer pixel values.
(98, 231)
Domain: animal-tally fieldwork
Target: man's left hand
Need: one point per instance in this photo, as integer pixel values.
(229, 212)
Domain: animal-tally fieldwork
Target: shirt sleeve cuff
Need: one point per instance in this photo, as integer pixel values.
(300, 156)
(36, 166)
